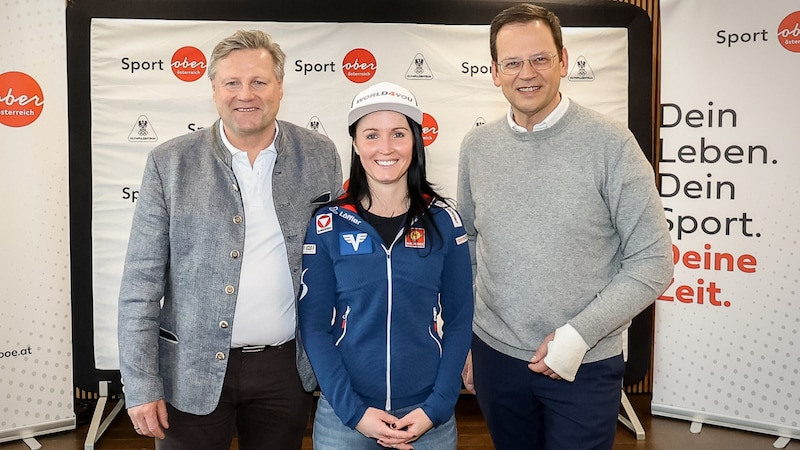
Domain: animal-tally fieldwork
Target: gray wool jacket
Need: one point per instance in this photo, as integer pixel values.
(185, 247)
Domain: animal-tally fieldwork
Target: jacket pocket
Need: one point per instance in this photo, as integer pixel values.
(167, 335)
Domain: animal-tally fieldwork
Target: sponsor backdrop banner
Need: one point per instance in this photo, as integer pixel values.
(36, 393)
(149, 84)
(727, 328)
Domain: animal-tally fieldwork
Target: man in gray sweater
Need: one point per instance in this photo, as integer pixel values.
(569, 243)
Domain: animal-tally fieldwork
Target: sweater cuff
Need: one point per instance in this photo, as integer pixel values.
(565, 352)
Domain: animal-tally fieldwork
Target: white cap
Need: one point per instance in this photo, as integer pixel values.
(384, 96)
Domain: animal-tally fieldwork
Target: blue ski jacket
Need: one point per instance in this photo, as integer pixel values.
(369, 313)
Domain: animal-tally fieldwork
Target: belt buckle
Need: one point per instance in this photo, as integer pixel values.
(253, 348)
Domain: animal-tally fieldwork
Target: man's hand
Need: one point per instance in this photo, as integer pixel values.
(537, 361)
(466, 374)
(150, 419)
(377, 424)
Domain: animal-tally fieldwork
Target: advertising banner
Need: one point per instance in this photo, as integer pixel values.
(36, 389)
(727, 328)
(149, 84)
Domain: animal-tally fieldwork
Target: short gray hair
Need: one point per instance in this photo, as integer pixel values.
(244, 40)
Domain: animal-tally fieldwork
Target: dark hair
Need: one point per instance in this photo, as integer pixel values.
(420, 192)
(524, 13)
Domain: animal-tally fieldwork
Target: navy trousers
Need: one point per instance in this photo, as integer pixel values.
(526, 410)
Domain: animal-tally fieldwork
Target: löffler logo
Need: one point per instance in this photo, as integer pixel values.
(359, 65)
(21, 99)
(188, 64)
(430, 129)
(789, 32)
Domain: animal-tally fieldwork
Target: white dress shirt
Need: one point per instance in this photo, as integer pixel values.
(548, 121)
(265, 307)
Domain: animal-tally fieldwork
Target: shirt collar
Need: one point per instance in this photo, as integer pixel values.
(231, 148)
(548, 121)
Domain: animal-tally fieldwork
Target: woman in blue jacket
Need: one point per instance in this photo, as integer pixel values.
(383, 267)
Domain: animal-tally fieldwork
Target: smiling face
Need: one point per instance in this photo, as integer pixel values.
(384, 143)
(532, 94)
(248, 95)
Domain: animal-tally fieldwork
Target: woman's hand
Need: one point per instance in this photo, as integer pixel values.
(416, 422)
(377, 424)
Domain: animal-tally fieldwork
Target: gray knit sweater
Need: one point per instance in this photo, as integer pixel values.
(565, 226)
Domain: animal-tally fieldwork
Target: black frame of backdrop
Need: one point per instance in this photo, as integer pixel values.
(573, 13)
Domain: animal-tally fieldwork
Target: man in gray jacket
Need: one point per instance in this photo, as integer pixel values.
(217, 234)
(569, 243)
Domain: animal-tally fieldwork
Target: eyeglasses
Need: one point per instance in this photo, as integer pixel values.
(542, 61)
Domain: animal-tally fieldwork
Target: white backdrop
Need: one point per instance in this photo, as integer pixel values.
(138, 101)
(727, 335)
(36, 389)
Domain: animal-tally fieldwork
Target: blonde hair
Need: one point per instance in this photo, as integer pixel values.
(243, 40)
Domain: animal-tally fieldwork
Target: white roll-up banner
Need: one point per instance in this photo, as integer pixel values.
(149, 84)
(727, 329)
(36, 388)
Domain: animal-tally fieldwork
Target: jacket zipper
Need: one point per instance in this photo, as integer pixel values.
(344, 325)
(433, 331)
(390, 300)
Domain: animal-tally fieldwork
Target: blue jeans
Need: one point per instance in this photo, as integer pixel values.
(330, 433)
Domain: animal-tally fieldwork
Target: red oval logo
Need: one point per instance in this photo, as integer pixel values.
(359, 65)
(21, 99)
(430, 129)
(188, 64)
(789, 32)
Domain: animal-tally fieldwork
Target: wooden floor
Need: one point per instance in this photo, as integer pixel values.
(660, 434)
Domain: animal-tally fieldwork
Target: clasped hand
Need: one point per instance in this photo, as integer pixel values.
(393, 432)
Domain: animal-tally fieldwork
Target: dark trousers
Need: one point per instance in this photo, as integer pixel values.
(526, 410)
(262, 402)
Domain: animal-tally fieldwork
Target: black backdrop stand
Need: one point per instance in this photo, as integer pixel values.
(573, 13)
